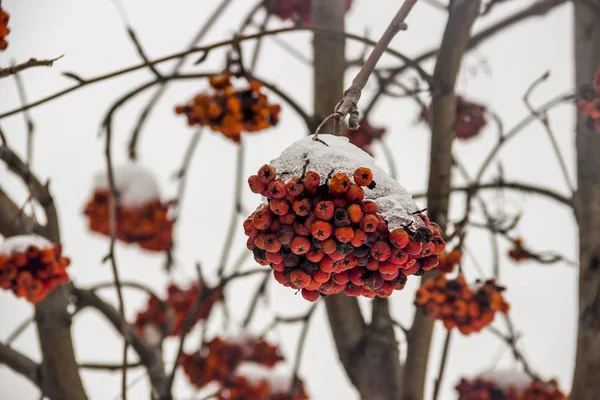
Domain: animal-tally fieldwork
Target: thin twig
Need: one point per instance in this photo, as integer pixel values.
(19, 330)
(32, 62)
(260, 291)
(300, 347)
(352, 95)
(440, 376)
(28, 120)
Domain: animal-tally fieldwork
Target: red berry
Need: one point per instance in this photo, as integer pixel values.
(274, 258)
(249, 228)
(266, 173)
(294, 187)
(341, 278)
(302, 207)
(353, 290)
(369, 223)
(385, 290)
(354, 213)
(321, 276)
(373, 281)
(399, 238)
(327, 264)
(372, 265)
(413, 247)
(299, 278)
(324, 210)
(344, 234)
(300, 245)
(355, 194)
(381, 251)
(310, 295)
(339, 183)
(311, 182)
(262, 219)
(357, 276)
(315, 255)
(256, 185)
(276, 189)
(329, 245)
(398, 256)
(301, 229)
(430, 262)
(390, 277)
(288, 219)
(360, 238)
(368, 206)
(363, 176)
(387, 268)
(280, 277)
(279, 206)
(321, 230)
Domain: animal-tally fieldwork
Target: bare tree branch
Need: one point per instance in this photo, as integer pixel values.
(31, 63)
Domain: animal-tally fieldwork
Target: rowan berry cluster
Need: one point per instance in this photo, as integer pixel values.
(482, 389)
(449, 261)
(217, 360)
(32, 267)
(168, 316)
(288, 9)
(588, 102)
(231, 111)
(519, 253)
(258, 388)
(364, 136)
(148, 225)
(470, 118)
(459, 305)
(4, 30)
(325, 238)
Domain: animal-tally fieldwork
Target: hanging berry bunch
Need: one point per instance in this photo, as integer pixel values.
(257, 382)
(470, 118)
(4, 30)
(588, 102)
(364, 136)
(288, 9)
(229, 110)
(325, 233)
(31, 266)
(449, 261)
(218, 359)
(459, 305)
(518, 253)
(523, 389)
(141, 218)
(168, 316)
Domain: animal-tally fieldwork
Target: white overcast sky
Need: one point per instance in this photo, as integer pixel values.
(91, 36)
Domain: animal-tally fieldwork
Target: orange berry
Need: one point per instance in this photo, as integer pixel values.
(287, 219)
(359, 239)
(271, 243)
(300, 245)
(399, 238)
(301, 229)
(369, 223)
(329, 245)
(274, 258)
(313, 285)
(339, 183)
(310, 295)
(276, 189)
(337, 256)
(354, 213)
(302, 207)
(280, 277)
(454, 256)
(327, 264)
(353, 290)
(388, 268)
(249, 228)
(299, 278)
(429, 262)
(355, 194)
(266, 173)
(294, 187)
(381, 251)
(439, 245)
(398, 256)
(413, 247)
(324, 210)
(321, 230)
(368, 207)
(311, 182)
(262, 219)
(363, 176)
(321, 276)
(279, 206)
(315, 255)
(344, 234)
(341, 278)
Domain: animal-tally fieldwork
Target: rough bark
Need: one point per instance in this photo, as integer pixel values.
(369, 353)
(462, 15)
(59, 375)
(586, 380)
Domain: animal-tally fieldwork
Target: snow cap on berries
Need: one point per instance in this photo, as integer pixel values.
(394, 202)
(22, 242)
(136, 185)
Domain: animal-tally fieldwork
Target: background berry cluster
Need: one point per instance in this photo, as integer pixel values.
(482, 389)
(288, 9)
(4, 30)
(229, 110)
(33, 271)
(147, 225)
(588, 103)
(459, 305)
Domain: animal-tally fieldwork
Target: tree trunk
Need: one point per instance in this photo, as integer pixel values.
(369, 354)
(461, 16)
(586, 379)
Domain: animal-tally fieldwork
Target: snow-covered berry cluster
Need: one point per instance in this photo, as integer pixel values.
(523, 388)
(364, 136)
(167, 317)
(229, 110)
(322, 235)
(32, 266)
(289, 9)
(217, 360)
(469, 308)
(4, 30)
(470, 118)
(588, 102)
(448, 261)
(141, 218)
(259, 382)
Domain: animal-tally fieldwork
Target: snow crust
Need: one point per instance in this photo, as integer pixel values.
(505, 379)
(22, 242)
(135, 184)
(395, 204)
(279, 377)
